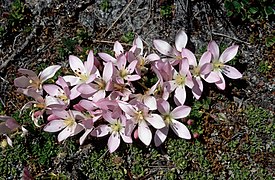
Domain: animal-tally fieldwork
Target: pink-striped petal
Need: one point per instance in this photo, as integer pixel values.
(186, 53)
(107, 71)
(152, 57)
(132, 66)
(76, 64)
(181, 40)
(163, 47)
(108, 58)
(150, 102)
(184, 67)
(101, 131)
(86, 89)
(180, 130)
(221, 83)
(180, 112)
(205, 58)
(127, 108)
(132, 77)
(54, 126)
(156, 121)
(118, 49)
(113, 142)
(180, 94)
(160, 136)
(144, 133)
(229, 53)
(212, 77)
(163, 107)
(84, 136)
(89, 64)
(72, 80)
(139, 44)
(22, 82)
(214, 49)
(48, 73)
(231, 72)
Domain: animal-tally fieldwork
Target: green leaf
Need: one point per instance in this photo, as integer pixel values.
(269, 41)
(253, 10)
(269, 10)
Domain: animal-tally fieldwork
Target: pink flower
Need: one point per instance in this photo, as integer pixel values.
(116, 128)
(84, 72)
(169, 118)
(118, 49)
(100, 85)
(139, 115)
(125, 73)
(180, 80)
(31, 80)
(142, 58)
(198, 70)
(174, 54)
(219, 66)
(66, 123)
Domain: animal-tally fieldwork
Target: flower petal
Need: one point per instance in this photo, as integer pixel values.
(132, 77)
(186, 53)
(180, 94)
(76, 64)
(231, 72)
(181, 40)
(205, 58)
(229, 53)
(221, 83)
(113, 142)
(85, 89)
(89, 64)
(214, 49)
(180, 130)
(22, 82)
(163, 106)
(212, 77)
(160, 136)
(54, 126)
(150, 102)
(139, 44)
(163, 47)
(84, 136)
(127, 108)
(180, 112)
(101, 131)
(73, 80)
(49, 72)
(108, 58)
(144, 133)
(107, 72)
(152, 57)
(118, 49)
(156, 121)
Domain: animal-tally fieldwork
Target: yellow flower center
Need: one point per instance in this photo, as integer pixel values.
(36, 84)
(139, 116)
(167, 119)
(69, 122)
(116, 127)
(123, 73)
(217, 65)
(83, 76)
(39, 105)
(196, 71)
(180, 80)
(101, 84)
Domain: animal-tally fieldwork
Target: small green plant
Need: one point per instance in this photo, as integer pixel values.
(270, 41)
(264, 67)
(17, 12)
(105, 5)
(166, 11)
(250, 11)
(128, 37)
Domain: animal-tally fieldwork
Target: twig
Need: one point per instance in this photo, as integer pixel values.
(109, 42)
(15, 41)
(118, 17)
(236, 39)
(20, 49)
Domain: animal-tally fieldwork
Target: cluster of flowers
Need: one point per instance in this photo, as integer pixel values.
(128, 95)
